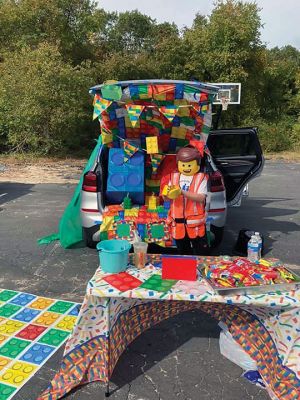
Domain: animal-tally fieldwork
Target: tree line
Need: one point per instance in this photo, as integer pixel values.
(53, 51)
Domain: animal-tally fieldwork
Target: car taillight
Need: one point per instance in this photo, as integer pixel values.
(216, 182)
(90, 182)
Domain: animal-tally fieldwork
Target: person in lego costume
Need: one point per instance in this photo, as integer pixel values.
(187, 190)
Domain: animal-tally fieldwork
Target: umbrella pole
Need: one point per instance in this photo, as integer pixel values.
(107, 393)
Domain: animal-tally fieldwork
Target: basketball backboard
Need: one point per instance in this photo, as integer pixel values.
(230, 91)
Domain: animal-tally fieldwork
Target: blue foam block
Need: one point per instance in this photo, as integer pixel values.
(37, 353)
(125, 177)
(22, 299)
(26, 315)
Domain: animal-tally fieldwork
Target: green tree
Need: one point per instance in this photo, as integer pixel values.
(44, 100)
(72, 25)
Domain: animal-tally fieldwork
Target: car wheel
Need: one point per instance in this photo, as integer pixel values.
(87, 234)
(217, 235)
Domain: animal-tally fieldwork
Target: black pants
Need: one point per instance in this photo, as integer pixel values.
(197, 246)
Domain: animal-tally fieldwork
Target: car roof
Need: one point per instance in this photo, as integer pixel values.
(205, 87)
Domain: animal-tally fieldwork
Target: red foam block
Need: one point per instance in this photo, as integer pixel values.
(179, 267)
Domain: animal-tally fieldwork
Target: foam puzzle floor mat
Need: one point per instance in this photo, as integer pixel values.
(32, 328)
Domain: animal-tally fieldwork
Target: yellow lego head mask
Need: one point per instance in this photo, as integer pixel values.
(188, 167)
(188, 160)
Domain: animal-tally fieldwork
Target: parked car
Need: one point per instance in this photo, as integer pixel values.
(234, 159)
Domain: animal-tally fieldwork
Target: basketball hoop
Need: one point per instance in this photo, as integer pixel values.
(224, 102)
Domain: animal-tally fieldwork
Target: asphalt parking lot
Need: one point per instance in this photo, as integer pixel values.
(177, 359)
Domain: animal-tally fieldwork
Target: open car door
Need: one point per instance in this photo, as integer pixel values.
(238, 156)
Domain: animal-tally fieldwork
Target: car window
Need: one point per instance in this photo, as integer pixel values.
(231, 145)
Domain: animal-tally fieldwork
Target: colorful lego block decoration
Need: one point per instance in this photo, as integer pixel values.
(13, 347)
(6, 295)
(123, 230)
(151, 145)
(17, 374)
(31, 332)
(10, 327)
(67, 323)
(26, 314)
(179, 267)
(122, 281)
(23, 299)
(4, 362)
(152, 202)
(125, 178)
(155, 282)
(7, 310)
(6, 391)
(54, 337)
(25, 320)
(158, 232)
(41, 303)
(3, 338)
(61, 307)
(47, 318)
(38, 353)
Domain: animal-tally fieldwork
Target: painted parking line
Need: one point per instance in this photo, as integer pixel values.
(3, 194)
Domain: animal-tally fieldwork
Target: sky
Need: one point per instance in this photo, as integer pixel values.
(280, 17)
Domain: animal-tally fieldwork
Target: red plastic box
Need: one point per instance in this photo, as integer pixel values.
(179, 267)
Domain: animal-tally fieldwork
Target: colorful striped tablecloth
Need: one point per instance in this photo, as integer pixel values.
(117, 309)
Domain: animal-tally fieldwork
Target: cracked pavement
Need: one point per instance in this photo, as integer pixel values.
(177, 359)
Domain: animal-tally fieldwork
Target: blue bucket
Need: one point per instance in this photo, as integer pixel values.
(113, 255)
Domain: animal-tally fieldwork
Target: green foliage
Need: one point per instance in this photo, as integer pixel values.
(44, 100)
(276, 136)
(52, 51)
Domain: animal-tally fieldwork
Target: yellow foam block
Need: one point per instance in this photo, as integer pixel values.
(152, 202)
(2, 319)
(67, 323)
(178, 132)
(47, 318)
(4, 362)
(17, 373)
(151, 144)
(106, 224)
(10, 327)
(133, 212)
(41, 303)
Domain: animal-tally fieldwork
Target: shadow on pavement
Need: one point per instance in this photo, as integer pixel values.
(258, 215)
(159, 342)
(10, 191)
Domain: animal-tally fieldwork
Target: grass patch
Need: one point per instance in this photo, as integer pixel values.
(287, 156)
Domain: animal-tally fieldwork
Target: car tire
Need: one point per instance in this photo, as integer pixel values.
(87, 235)
(218, 233)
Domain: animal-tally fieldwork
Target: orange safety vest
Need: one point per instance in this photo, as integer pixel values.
(185, 215)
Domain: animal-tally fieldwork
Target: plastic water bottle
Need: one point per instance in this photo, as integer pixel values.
(259, 239)
(253, 248)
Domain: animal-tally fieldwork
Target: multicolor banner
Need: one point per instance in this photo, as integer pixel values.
(107, 136)
(129, 150)
(100, 105)
(156, 159)
(134, 111)
(169, 112)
